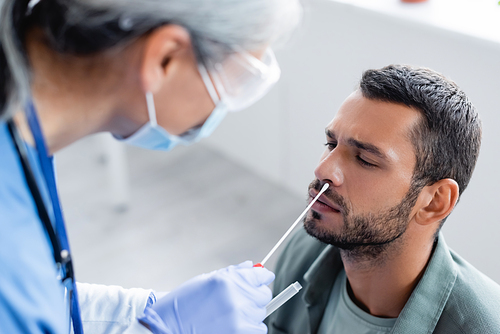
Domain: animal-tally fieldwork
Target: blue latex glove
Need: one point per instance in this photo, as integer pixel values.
(227, 301)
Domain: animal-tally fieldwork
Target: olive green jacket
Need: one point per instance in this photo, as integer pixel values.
(451, 298)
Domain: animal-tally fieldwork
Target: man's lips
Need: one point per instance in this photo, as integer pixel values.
(323, 203)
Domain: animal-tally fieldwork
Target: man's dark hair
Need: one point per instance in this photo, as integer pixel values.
(448, 137)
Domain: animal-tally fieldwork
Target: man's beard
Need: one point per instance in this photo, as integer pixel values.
(366, 235)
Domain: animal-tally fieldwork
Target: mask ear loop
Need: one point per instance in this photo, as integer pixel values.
(208, 83)
(150, 102)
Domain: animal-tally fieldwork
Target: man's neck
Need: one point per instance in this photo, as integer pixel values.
(382, 285)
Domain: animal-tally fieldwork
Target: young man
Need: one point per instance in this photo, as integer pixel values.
(399, 153)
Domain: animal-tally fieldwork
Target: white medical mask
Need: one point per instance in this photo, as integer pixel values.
(152, 136)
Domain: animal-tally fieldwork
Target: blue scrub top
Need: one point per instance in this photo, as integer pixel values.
(31, 297)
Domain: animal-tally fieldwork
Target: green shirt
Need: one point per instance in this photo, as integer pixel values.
(452, 296)
(342, 316)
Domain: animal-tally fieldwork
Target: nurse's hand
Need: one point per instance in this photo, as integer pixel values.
(227, 301)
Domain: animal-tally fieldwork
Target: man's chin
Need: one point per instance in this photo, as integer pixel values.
(314, 229)
(326, 237)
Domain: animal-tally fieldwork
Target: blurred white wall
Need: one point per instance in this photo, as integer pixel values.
(281, 136)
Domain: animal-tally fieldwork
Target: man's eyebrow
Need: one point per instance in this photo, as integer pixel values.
(361, 145)
(367, 147)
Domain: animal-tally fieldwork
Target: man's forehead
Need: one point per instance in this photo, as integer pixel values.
(374, 117)
(384, 125)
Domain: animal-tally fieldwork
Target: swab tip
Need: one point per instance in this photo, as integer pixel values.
(325, 186)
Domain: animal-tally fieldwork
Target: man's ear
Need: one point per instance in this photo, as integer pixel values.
(437, 201)
(160, 47)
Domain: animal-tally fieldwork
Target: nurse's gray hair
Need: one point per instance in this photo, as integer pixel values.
(85, 27)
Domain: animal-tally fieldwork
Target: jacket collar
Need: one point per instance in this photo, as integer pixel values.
(319, 279)
(431, 294)
(427, 301)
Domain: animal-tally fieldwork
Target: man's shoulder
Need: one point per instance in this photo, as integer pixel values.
(474, 302)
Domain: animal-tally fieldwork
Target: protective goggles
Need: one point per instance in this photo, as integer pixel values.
(240, 79)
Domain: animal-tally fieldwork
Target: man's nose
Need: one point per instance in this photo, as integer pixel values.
(329, 169)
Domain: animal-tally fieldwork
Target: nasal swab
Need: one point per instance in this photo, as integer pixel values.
(261, 264)
(282, 298)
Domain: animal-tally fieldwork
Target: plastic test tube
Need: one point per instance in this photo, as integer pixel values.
(282, 298)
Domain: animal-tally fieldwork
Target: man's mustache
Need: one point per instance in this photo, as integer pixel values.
(331, 195)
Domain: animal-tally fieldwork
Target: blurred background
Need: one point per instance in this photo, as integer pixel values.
(151, 219)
